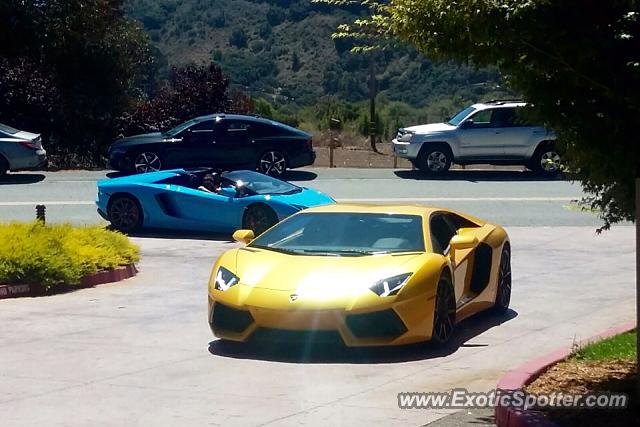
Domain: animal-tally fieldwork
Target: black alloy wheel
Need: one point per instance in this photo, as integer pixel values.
(503, 293)
(272, 162)
(444, 318)
(125, 213)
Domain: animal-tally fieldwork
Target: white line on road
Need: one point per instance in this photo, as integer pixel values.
(362, 200)
(69, 202)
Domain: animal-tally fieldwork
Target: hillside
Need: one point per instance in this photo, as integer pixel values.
(282, 50)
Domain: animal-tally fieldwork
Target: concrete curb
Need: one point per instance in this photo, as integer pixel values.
(99, 278)
(517, 379)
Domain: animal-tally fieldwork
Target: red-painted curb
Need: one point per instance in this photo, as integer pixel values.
(517, 379)
(99, 278)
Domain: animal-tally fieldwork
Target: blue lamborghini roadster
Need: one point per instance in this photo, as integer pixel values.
(172, 200)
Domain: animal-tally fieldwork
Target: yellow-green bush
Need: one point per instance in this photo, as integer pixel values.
(59, 254)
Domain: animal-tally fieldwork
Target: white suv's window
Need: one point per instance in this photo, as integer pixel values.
(482, 119)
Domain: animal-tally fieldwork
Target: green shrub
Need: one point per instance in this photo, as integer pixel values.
(50, 255)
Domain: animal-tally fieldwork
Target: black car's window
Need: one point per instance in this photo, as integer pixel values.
(260, 130)
(235, 131)
(204, 126)
(8, 129)
(202, 133)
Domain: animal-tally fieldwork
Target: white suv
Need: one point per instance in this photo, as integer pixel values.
(487, 133)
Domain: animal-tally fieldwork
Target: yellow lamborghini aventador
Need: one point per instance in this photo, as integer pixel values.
(368, 275)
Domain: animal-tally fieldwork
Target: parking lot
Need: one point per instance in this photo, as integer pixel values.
(140, 352)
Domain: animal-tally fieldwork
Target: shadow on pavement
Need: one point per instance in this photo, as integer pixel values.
(185, 235)
(479, 175)
(290, 175)
(118, 174)
(311, 352)
(297, 175)
(23, 178)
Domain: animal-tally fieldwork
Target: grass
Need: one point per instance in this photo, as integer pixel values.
(621, 346)
(50, 255)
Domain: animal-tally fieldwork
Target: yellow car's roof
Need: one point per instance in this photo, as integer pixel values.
(422, 210)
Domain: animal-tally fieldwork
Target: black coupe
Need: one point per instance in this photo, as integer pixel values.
(220, 140)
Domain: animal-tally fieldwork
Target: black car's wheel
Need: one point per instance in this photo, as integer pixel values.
(147, 161)
(444, 317)
(546, 160)
(125, 213)
(503, 293)
(4, 166)
(259, 218)
(434, 159)
(272, 162)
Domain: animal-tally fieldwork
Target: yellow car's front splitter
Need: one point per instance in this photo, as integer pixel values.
(391, 322)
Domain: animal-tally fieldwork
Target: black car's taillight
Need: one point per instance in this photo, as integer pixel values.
(310, 143)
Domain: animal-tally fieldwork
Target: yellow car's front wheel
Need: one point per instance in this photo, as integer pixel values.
(444, 316)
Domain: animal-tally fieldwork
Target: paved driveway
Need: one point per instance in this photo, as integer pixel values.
(140, 352)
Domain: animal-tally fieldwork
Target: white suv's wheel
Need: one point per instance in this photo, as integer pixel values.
(546, 160)
(434, 159)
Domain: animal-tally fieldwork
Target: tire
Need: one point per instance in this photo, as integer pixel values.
(503, 292)
(434, 159)
(545, 160)
(125, 213)
(444, 315)
(259, 218)
(4, 166)
(147, 161)
(272, 162)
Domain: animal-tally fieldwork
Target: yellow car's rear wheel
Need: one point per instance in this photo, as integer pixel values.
(444, 316)
(503, 293)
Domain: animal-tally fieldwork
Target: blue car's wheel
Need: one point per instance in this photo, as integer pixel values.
(259, 218)
(125, 213)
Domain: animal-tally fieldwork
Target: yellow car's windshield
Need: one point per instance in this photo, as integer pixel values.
(344, 234)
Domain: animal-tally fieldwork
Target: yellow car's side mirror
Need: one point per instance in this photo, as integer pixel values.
(459, 242)
(463, 242)
(243, 236)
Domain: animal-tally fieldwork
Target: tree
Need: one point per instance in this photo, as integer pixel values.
(577, 62)
(295, 62)
(91, 57)
(190, 91)
(238, 38)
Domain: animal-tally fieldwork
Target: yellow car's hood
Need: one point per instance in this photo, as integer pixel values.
(311, 275)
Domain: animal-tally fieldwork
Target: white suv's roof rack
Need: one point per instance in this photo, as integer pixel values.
(504, 101)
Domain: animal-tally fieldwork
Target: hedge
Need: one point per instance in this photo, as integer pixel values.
(50, 255)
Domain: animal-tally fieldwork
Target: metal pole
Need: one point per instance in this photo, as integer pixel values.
(372, 105)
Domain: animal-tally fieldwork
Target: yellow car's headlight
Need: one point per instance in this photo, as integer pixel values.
(225, 279)
(391, 285)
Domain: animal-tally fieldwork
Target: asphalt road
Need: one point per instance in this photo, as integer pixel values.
(140, 352)
(511, 198)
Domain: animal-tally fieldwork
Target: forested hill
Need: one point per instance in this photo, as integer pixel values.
(283, 49)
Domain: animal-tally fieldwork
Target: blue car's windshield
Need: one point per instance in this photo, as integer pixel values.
(258, 183)
(455, 120)
(344, 234)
